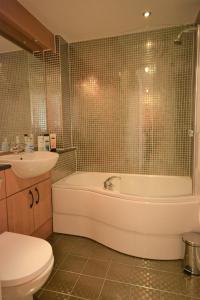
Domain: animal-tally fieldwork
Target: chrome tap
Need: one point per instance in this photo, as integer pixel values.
(18, 148)
(108, 185)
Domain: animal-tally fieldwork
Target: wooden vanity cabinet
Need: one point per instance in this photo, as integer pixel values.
(2, 185)
(42, 208)
(29, 210)
(3, 209)
(20, 213)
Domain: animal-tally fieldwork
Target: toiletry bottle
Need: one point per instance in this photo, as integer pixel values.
(28, 147)
(5, 145)
(41, 143)
(25, 139)
(17, 140)
(53, 142)
(32, 148)
(46, 142)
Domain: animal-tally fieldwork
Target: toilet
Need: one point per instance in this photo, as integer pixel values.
(25, 265)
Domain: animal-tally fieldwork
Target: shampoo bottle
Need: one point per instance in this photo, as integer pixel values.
(17, 139)
(25, 139)
(29, 146)
(46, 142)
(53, 142)
(41, 143)
(32, 148)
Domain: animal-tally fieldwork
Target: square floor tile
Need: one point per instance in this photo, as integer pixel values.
(146, 277)
(96, 267)
(120, 272)
(47, 295)
(193, 286)
(175, 283)
(62, 282)
(59, 253)
(54, 237)
(50, 277)
(73, 263)
(170, 296)
(59, 257)
(122, 258)
(101, 252)
(172, 266)
(115, 291)
(88, 287)
(75, 298)
(82, 251)
(63, 244)
(140, 262)
(82, 247)
(141, 293)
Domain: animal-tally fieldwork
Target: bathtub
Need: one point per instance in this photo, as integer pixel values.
(143, 215)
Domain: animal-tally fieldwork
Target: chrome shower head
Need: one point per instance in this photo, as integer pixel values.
(178, 41)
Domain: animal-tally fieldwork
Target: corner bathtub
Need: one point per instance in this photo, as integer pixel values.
(144, 216)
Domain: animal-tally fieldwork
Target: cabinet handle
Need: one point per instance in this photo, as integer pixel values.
(32, 202)
(38, 196)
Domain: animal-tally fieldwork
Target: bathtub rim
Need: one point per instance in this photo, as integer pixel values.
(178, 199)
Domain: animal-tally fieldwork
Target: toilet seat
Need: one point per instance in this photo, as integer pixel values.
(22, 258)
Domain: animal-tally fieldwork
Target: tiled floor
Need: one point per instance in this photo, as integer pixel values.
(85, 269)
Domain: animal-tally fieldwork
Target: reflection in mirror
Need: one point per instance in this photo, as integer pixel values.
(34, 93)
(22, 93)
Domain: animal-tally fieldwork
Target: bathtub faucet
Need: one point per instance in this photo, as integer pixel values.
(108, 185)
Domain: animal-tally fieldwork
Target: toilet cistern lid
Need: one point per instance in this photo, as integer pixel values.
(22, 258)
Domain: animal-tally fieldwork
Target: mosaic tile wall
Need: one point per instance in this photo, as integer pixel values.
(66, 100)
(37, 92)
(66, 165)
(132, 103)
(15, 111)
(58, 94)
(59, 107)
(54, 93)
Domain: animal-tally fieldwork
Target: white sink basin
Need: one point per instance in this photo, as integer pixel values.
(27, 165)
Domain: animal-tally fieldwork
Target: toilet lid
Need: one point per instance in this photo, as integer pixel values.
(22, 258)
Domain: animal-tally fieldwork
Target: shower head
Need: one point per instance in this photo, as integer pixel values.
(178, 41)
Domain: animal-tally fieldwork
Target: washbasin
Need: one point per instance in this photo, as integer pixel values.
(27, 165)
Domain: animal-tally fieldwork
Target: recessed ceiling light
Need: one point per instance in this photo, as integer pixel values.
(146, 14)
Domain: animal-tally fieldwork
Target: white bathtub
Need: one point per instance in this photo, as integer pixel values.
(144, 216)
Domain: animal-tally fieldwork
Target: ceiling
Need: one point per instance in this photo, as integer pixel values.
(77, 20)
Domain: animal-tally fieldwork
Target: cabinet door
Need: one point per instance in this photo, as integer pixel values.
(43, 205)
(20, 213)
(2, 185)
(3, 216)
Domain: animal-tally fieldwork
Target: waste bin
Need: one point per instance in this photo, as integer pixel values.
(192, 253)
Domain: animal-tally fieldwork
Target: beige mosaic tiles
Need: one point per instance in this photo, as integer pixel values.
(132, 103)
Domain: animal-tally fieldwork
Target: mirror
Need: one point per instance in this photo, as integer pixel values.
(34, 93)
(22, 93)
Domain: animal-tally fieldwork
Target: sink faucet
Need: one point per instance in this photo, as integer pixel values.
(108, 185)
(18, 148)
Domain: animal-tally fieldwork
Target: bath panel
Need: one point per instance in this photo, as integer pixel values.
(149, 227)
